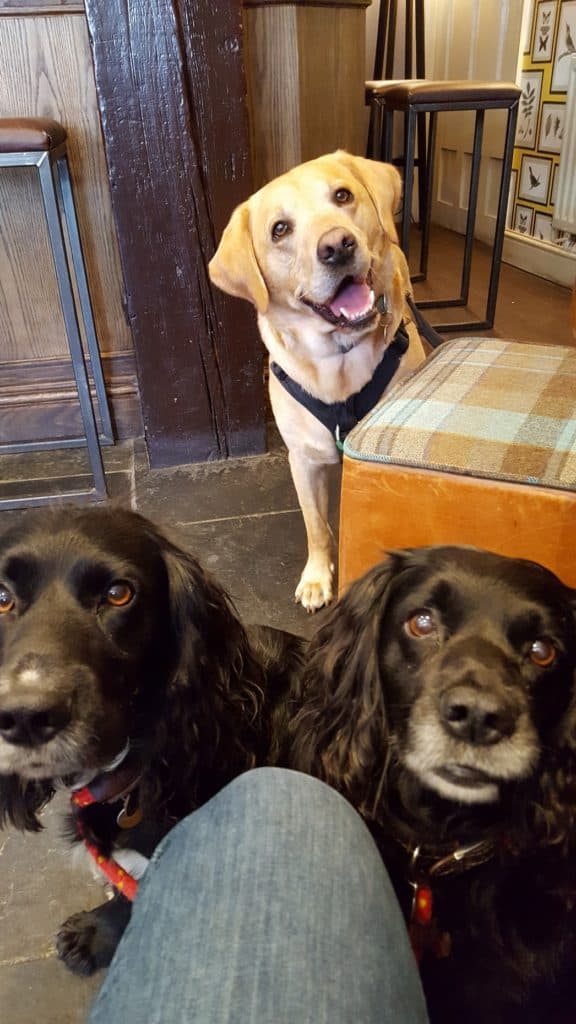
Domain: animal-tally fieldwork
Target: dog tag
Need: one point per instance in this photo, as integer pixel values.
(382, 305)
(129, 816)
(421, 904)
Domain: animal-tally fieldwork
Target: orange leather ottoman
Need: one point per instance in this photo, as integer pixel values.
(477, 447)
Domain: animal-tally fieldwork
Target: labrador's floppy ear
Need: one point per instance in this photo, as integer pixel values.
(234, 267)
(382, 182)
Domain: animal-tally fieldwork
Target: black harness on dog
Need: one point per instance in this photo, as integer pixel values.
(340, 417)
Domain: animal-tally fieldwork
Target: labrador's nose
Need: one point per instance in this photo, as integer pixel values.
(336, 248)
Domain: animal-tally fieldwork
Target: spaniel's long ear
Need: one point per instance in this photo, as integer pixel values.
(234, 267)
(383, 184)
(20, 800)
(341, 732)
(203, 620)
(217, 681)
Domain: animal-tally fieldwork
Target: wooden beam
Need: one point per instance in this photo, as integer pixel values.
(170, 83)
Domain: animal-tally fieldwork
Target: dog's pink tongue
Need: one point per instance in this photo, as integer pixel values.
(352, 300)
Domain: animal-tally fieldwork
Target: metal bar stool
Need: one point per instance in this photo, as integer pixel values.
(414, 98)
(41, 143)
(414, 66)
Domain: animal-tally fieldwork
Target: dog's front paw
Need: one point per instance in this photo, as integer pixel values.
(77, 943)
(315, 588)
(87, 941)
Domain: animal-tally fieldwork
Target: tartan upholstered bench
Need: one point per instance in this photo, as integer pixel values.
(477, 447)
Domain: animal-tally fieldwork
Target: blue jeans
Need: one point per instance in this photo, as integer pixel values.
(269, 905)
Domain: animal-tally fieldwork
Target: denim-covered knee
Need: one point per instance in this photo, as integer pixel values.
(273, 800)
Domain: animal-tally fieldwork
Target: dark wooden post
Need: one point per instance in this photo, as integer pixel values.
(170, 81)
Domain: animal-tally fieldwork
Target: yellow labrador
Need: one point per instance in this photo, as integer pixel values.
(316, 253)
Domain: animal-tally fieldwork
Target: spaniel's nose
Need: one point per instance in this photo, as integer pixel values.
(476, 717)
(29, 727)
(336, 248)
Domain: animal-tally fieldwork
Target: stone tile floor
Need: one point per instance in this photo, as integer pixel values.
(241, 518)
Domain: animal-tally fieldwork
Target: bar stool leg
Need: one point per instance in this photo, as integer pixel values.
(432, 126)
(71, 322)
(472, 204)
(408, 180)
(66, 197)
(501, 215)
(387, 133)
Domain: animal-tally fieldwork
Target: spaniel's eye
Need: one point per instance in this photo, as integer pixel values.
(542, 653)
(280, 229)
(119, 594)
(7, 602)
(342, 196)
(420, 624)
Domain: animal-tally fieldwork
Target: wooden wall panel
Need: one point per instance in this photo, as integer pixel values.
(47, 71)
(305, 68)
(272, 74)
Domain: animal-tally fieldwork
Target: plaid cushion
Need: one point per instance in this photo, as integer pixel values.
(483, 407)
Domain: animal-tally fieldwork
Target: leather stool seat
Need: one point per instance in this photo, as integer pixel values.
(403, 94)
(30, 134)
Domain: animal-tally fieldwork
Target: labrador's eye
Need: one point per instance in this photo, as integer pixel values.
(542, 653)
(119, 594)
(280, 229)
(342, 196)
(7, 602)
(420, 624)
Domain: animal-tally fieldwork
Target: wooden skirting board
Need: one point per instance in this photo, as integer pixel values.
(38, 399)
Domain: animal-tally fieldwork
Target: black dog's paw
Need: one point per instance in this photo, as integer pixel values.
(77, 943)
(87, 941)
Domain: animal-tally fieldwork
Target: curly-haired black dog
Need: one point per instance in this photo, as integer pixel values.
(440, 699)
(125, 676)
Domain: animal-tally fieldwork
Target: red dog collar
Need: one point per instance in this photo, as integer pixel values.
(109, 787)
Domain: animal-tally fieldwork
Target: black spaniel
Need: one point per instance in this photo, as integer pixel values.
(126, 677)
(440, 700)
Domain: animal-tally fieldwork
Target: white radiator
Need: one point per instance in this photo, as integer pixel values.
(564, 216)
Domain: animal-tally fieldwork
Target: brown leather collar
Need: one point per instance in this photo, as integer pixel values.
(428, 864)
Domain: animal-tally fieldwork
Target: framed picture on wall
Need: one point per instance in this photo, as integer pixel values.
(551, 127)
(535, 175)
(544, 25)
(543, 227)
(523, 218)
(511, 198)
(565, 46)
(531, 86)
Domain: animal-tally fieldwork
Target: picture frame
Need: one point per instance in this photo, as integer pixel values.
(544, 26)
(511, 198)
(554, 189)
(565, 46)
(523, 219)
(535, 175)
(542, 229)
(526, 128)
(551, 126)
(528, 19)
